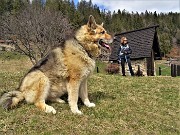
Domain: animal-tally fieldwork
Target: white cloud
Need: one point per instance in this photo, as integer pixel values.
(140, 5)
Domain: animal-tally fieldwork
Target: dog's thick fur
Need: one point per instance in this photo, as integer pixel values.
(64, 70)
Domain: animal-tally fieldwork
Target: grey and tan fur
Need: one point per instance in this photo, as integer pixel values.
(64, 70)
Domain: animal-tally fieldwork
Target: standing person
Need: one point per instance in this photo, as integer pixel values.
(124, 55)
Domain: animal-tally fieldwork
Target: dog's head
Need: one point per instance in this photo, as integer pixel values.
(94, 37)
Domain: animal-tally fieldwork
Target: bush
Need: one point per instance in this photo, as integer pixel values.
(36, 30)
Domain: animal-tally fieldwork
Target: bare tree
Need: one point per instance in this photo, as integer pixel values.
(36, 30)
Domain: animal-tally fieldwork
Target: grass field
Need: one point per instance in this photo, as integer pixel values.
(165, 69)
(124, 105)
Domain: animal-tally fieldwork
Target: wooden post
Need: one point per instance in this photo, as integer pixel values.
(159, 70)
(175, 69)
(178, 70)
(139, 70)
(97, 70)
(3, 48)
(172, 70)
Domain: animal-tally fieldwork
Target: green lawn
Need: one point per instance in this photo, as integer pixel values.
(165, 69)
(124, 105)
(11, 56)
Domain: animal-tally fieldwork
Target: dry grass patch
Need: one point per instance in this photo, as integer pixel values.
(14, 62)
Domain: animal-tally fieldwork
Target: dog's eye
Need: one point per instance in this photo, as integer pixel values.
(102, 32)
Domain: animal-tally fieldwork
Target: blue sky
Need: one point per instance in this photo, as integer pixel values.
(164, 6)
(75, 1)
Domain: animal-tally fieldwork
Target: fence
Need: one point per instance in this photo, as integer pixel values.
(175, 70)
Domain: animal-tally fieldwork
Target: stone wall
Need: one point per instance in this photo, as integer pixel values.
(135, 64)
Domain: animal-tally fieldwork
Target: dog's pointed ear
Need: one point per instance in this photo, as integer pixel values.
(102, 24)
(91, 23)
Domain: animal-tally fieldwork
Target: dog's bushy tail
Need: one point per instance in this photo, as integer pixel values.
(11, 99)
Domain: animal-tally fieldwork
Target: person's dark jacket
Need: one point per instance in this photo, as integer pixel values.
(124, 51)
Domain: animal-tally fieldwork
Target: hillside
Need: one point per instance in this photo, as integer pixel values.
(175, 52)
(114, 22)
(124, 105)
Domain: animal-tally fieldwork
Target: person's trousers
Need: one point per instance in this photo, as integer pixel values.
(123, 61)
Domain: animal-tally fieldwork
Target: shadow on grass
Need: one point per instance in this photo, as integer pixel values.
(99, 95)
(93, 97)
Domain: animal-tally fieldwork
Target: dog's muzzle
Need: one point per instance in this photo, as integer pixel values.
(105, 43)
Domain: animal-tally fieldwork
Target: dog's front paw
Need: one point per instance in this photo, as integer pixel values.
(50, 109)
(90, 104)
(61, 101)
(77, 112)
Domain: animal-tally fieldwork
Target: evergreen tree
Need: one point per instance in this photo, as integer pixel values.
(2, 6)
(115, 22)
(178, 37)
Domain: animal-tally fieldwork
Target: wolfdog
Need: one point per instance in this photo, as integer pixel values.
(64, 70)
